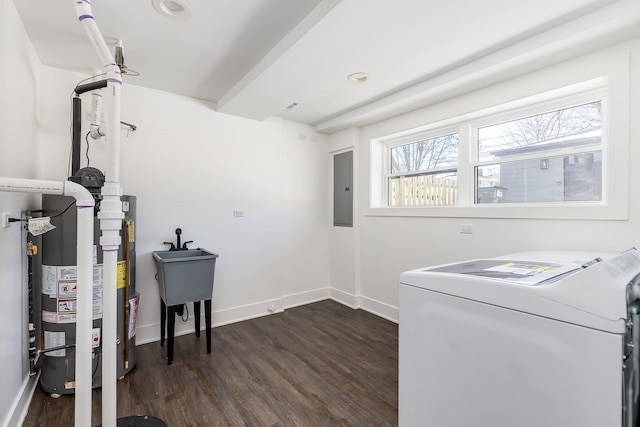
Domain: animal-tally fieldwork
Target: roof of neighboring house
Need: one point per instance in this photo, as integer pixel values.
(546, 145)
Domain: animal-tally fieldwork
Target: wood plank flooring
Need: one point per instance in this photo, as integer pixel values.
(321, 364)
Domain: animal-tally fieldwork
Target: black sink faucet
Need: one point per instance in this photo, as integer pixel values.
(177, 246)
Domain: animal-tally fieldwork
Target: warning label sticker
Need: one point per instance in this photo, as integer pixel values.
(60, 284)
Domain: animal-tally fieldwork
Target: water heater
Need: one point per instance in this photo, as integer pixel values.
(56, 295)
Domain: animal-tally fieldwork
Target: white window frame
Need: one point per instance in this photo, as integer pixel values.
(614, 203)
(599, 94)
(413, 138)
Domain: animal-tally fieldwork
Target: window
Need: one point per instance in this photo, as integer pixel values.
(424, 172)
(546, 156)
(555, 156)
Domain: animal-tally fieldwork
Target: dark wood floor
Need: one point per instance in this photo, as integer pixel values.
(322, 364)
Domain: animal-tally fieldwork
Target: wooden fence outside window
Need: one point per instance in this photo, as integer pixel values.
(422, 190)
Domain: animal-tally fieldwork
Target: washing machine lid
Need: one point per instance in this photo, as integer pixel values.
(518, 270)
(582, 288)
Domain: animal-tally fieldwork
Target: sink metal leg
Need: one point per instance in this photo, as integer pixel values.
(168, 324)
(163, 320)
(171, 328)
(196, 316)
(207, 319)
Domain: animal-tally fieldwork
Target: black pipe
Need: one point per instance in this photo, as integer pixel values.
(80, 89)
(76, 137)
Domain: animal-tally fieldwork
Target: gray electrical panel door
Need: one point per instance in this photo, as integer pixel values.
(343, 189)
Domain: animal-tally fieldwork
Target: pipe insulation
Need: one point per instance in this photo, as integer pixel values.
(80, 89)
(84, 310)
(110, 214)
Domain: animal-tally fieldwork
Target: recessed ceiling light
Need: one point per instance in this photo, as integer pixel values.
(358, 77)
(176, 9)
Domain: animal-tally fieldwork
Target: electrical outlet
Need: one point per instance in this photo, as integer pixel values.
(5, 219)
(238, 212)
(466, 228)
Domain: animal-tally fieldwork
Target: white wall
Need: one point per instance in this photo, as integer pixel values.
(190, 167)
(390, 245)
(19, 69)
(306, 219)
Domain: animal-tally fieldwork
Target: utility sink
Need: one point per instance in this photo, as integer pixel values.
(185, 275)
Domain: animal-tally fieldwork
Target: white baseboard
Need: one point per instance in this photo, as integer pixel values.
(378, 308)
(151, 332)
(307, 297)
(20, 406)
(344, 298)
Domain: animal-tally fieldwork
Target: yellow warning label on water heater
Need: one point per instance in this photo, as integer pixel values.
(131, 232)
(121, 280)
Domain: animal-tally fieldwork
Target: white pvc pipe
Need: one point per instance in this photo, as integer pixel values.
(84, 315)
(109, 348)
(84, 296)
(19, 185)
(85, 15)
(96, 107)
(114, 89)
(110, 223)
(96, 130)
(110, 215)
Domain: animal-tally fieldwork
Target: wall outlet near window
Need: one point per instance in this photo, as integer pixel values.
(466, 228)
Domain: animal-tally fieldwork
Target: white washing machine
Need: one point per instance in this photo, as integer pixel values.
(538, 339)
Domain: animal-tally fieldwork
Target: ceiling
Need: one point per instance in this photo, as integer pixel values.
(255, 58)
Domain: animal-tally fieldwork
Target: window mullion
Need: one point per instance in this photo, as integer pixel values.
(466, 180)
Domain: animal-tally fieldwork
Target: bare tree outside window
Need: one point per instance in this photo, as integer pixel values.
(426, 154)
(424, 172)
(547, 177)
(539, 130)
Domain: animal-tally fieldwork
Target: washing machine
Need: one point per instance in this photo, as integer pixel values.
(537, 339)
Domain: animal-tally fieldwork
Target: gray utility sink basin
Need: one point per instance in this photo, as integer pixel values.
(185, 275)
